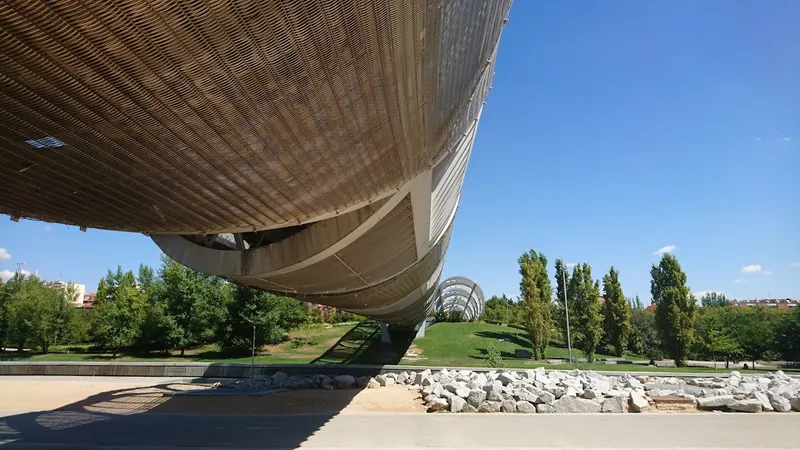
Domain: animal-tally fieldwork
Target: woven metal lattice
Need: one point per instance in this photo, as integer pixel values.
(230, 116)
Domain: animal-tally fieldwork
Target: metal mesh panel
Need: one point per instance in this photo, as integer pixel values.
(222, 116)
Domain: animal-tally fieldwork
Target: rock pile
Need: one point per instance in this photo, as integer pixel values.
(554, 391)
(575, 391)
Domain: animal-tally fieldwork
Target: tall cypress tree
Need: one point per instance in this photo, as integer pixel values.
(675, 308)
(536, 297)
(616, 312)
(583, 292)
(560, 316)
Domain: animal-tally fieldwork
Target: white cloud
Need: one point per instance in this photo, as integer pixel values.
(6, 274)
(787, 139)
(47, 228)
(699, 294)
(755, 268)
(4, 255)
(740, 281)
(667, 249)
(794, 264)
(571, 265)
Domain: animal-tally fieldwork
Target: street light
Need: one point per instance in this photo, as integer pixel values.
(566, 310)
(253, 353)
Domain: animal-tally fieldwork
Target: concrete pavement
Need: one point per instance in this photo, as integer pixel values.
(73, 429)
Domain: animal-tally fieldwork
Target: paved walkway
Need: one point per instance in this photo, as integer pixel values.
(154, 430)
(82, 412)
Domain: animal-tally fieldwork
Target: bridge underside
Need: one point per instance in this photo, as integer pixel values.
(314, 149)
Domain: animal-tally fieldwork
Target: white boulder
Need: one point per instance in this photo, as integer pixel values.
(456, 403)
(766, 405)
(717, 401)
(614, 405)
(476, 397)
(569, 404)
(750, 405)
(545, 409)
(525, 407)
(489, 406)
(638, 403)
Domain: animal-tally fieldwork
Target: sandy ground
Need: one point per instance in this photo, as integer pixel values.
(395, 399)
(132, 396)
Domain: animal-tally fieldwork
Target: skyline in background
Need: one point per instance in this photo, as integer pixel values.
(614, 132)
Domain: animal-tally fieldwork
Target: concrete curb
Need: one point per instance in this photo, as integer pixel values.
(243, 370)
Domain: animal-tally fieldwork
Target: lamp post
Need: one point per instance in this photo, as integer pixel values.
(566, 310)
(253, 353)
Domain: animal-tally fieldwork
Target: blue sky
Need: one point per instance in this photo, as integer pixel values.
(613, 130)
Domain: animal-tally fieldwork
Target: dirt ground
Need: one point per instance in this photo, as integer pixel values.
(132, 397)
(395, 399)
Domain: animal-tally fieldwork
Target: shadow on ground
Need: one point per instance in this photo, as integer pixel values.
(513, 337)
(362, 345)
(154, 417)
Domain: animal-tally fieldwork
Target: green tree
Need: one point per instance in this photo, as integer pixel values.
(494, 358)
(19, 328)
(195, 304)
(714, 335)
(146, 279)
(536, 300)
(248, 309)
(710, 299)
(36, 313)
(583, 292)
(644, 339)
(616, 313)
(119, 311)
(80, 329)
(50, 314)
(675, 308)
(7, 291)
(498, 310)
(157, 326)
(754, 329)
(291, 312)
(560, 310)
(450, 315)
(634, 303)
(787, 336)
(313, 314)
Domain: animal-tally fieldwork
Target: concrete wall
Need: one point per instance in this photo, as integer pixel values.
(221, 370)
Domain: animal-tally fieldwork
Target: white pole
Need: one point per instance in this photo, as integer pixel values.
(566, 309)
(253, 354)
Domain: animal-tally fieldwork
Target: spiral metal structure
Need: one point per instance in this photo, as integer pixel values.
(312, 148)
(462, 295)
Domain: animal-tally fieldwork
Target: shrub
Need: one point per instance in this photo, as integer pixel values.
(493, 357)
(451, 315)
(301, 341)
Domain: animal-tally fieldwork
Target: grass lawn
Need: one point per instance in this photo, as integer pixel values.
(316, 341)
(464, 345)
(444, 345)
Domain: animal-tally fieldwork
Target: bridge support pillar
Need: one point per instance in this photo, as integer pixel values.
(385, 338)
(422, 326)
